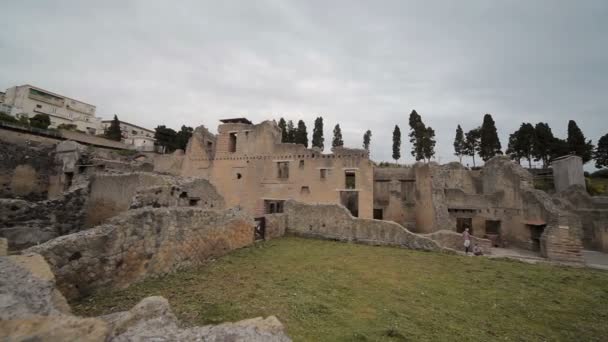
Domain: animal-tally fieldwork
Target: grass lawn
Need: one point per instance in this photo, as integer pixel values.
(331, 291)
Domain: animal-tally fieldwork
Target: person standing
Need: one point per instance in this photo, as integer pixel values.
(467, 241)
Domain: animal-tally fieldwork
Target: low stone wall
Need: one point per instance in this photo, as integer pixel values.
(276, 225)
(453, 240)
(332, 221)
(26, 223)
(179, 192)
(142, 243)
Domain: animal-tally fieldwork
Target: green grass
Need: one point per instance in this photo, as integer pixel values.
(331, 291)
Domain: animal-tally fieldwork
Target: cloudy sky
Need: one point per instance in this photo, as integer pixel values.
(362, 64)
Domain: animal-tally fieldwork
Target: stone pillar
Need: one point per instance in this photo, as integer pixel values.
(567, 171)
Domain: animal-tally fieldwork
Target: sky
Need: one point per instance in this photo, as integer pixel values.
(361, 64)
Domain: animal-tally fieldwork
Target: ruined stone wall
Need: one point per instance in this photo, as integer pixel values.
(179, 193)
(142, 243)
(334, 222)
(276, 225)
(395, 194)
(26, 166)
(170, 164)
(112, 194)
(26, 223)
(593, 213)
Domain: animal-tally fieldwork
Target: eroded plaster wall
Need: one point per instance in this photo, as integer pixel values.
(142, 243)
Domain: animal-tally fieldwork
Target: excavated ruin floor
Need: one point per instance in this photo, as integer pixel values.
(330, 291)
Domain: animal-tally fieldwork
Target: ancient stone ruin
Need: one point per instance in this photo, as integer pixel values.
(77, 218)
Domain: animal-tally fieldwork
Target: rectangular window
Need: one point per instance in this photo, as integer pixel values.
(273, 206)
(283, 170)
(350, 182)
(323, 173)
(232, 143)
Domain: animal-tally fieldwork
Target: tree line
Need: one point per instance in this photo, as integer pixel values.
(528, 142)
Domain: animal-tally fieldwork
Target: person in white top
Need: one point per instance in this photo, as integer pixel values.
(467, 240)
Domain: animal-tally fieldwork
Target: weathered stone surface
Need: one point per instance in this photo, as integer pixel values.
(3, 246)
(27, 287)
(152, 319)
(332, 221)
(179, 192)
(31, 310)
(142, 243)
(26, 223)
(276, 225)
(54, 328)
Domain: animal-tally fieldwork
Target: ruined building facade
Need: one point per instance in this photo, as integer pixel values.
(252, 169)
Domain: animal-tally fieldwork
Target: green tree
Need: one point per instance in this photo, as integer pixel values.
(489, 144)
(459, 144)
(577, 143)
(337, 141)
(542, 145)
(417, 132)
(166, 137)
(67, 127)
(301, 134)
(521, 143)
(42, 121)
(396, 143)
(283, 127)
(291, 132)
(428, 144)
(367, 137)
(601, 153)
(558, 148)
(317, 134)
(113, 132)
(472, 143)
(182, 137)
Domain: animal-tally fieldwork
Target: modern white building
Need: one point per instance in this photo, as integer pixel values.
(30, 100)
(140, 138)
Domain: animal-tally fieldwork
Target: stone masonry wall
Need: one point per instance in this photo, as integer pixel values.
(276, 225)
(142, 243)
(26, 223)
(332, 221)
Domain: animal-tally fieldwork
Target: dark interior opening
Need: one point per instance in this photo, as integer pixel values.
(350, 181)
(232, 143)
(69, 177)
(378, 214)
(350, 199)
(463, 223)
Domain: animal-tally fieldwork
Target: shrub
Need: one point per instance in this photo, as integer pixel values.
(603, 173)
(42, 121)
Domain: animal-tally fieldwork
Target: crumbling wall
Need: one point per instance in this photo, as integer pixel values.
(142, 243)
(334, 222)
(593, 213)
(561, 239)
(395, 194)
(26, 223)
(112, 194)
(276, 225)
(25, 168)
(179, 193)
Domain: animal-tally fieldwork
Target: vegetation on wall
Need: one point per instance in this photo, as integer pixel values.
(42, 121)
(113, 132)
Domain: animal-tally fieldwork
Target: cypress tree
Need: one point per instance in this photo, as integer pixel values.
(283, 127)
(472, 142)
(542, 144)
(367, 139)
(417, 132)
(601, 153)
(301, 134)
(459, 144)
(113, 132)
(291, 132)
(396, 143)
(317, 134)
(337, 141)
(577, 143)
(489, 145)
